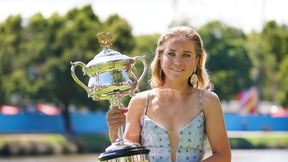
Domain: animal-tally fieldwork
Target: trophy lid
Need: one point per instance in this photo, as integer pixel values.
(107, 59)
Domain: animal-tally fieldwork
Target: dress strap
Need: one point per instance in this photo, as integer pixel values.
(201, 100)
(146, 104)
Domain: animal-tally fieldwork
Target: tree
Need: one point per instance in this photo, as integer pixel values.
(41, 70)
(228, 59)
(145, 46)
(123, 40)
(261, 73)
(275, 37)
(282, 78)
(74, 40)
(10, 42)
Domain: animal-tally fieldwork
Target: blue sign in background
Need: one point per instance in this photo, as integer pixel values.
(96, 123)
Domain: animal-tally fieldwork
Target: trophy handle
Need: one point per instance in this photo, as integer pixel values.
(141, 58)
(74, 65)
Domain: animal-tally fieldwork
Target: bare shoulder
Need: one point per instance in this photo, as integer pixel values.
(210, 97)
(137, 102)
(211, 102)
(140, 97)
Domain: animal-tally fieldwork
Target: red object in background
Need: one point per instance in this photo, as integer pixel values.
(9, 110)
(280, 113)
(48, 109)
(248, 100)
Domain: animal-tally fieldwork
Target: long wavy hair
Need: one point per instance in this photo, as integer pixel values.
(158, 76)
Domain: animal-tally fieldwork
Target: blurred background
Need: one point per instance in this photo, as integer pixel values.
(45, 116)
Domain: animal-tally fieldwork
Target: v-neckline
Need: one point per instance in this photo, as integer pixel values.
(166, 130)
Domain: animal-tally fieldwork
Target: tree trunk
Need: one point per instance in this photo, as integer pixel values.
(67, 120)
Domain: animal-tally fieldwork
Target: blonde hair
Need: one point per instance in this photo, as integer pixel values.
(158, 76)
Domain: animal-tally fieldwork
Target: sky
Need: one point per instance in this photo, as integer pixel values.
(154, 16)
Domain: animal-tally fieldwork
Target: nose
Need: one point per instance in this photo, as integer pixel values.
(178, 61)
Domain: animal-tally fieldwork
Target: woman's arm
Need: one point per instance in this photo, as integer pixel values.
(215, 129)
(135, 111)
(116, 118)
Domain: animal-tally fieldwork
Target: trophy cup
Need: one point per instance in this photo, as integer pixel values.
(111, 78)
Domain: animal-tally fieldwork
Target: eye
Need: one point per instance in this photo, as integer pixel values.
(171, 53)
(186, 55)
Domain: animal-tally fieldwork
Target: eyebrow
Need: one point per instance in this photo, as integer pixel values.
(183, 52)
(188, 52)
(172, 50)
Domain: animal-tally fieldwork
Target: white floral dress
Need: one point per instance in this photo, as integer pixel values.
(192, 139)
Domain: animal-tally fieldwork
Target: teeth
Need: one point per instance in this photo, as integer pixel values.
(178, 70)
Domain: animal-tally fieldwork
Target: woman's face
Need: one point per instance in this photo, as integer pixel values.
(179, 59)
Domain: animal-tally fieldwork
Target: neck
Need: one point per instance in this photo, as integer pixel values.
(183, 88)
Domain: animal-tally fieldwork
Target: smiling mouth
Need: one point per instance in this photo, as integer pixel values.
(177, 70)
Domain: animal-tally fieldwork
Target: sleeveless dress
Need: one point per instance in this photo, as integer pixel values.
(192, 138)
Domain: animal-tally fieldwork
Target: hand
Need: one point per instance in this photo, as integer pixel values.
(115, 118)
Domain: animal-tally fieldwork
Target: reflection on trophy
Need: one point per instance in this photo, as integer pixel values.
(111, 78)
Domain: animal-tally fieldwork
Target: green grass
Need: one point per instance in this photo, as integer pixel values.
(55, 138)
(281, 141)
(261, 140)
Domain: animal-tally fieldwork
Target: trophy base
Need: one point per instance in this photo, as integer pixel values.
(133, 154)
(121, 144)
(124, 151)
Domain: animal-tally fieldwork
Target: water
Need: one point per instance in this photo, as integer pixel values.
(237, 156)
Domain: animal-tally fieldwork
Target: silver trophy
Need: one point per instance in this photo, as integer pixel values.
(111, 78)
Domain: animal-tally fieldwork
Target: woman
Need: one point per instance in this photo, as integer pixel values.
(176, 116)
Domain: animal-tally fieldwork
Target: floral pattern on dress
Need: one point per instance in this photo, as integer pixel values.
(192, 140)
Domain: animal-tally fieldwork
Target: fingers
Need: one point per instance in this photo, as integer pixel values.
(116, 123)
(116, 117)
(115, 111)
(124, 110)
